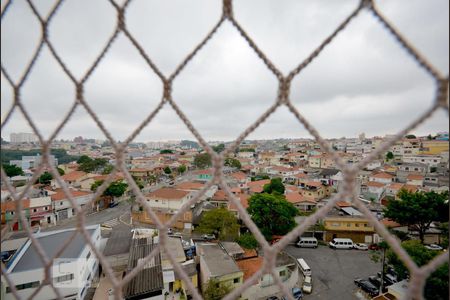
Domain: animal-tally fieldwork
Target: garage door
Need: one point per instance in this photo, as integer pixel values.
(62, 214)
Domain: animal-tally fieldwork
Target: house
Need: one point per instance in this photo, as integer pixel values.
(356, 228)
(61, 205)
(165, 203)
(433, 147)
(143, 174)
(41, 212)
(285, 266)
(256, 187)
(147, 283)
(9, 212)
(117, 248)
(384, 178)
(172, 281)
(204, 175)
(31, 162)
(72, 179)
(314, 161)
(373, 190)
(195, 187)
(415, 179)
(72, 271)
(216, 264)
(315, 190)
(300, 202)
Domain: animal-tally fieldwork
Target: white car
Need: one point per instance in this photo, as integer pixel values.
(360, 246)
(434, 247)
(307, 285)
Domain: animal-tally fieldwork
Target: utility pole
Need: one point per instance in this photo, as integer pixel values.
(382, 268)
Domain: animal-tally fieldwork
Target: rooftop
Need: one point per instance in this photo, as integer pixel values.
(168, 193)
(50, 243)
(218, 262)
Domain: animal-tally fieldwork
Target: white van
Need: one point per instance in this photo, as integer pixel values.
(337, 243)
(307, 242)
(306, 270)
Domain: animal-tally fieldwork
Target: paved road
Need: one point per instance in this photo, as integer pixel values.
(333, 271)
(95, 218)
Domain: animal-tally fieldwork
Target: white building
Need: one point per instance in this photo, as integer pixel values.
(22, 137)
(30, 162)
(72, 272)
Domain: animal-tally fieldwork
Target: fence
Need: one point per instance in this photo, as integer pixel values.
(418, 275)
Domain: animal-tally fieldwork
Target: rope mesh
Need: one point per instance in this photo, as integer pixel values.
(418, 275)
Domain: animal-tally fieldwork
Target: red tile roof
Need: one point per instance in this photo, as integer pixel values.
(73, 175)
(414, 177)
(294, 197)
(375, 184)
(11, 205)
(250, 266)
(60, 195)
(190, 185)
(168, 193)
(257, 186)
(382, 175)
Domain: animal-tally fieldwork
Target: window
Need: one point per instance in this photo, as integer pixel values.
(12, 213)
(61, 203)
(24, 286)
(34, 210)
(283, 273)
(348, 224)
(63, 278)
(366, 225)
(236, 280)
(46, 208)
(356, 225)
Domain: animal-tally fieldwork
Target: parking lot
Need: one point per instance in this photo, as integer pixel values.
(333, 271)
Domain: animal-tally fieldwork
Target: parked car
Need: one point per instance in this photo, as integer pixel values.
(376, 281)
(297, 293)
(208, 237)
(434, 247)
(340, 243)
(307, 284)
(388, 279)
(366, 286)
(113, 204)
(360, 246)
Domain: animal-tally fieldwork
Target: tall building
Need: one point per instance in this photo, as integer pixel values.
(23, 137)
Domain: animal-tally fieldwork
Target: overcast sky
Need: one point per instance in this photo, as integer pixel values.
(362, 82)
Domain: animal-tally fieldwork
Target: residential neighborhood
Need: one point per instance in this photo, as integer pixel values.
(217, 259)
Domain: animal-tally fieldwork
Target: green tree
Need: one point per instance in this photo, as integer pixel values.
(418, 210)
(275, 186)
(107, 169)
(181, 169)
(389, 155)
(410, 136)
(272, 214)
(167, 170)
(83, 159)
(260, 177)
(61, 171)
(202, 160)
(221, 222)
(92, 165)
(436, 286)
(12, 170)
(45, 178)
(232, 162)
(215, 290)
(115, 189)
(247, 241)
(166, 151)
(246, 150)
(219, 148)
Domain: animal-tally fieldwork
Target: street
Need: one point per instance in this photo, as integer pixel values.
(95, 218)
(333, 271)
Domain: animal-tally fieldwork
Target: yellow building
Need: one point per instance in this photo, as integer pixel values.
(434, 147)
(356, 228)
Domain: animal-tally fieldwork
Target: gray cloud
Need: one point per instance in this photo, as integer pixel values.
(362, 82)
